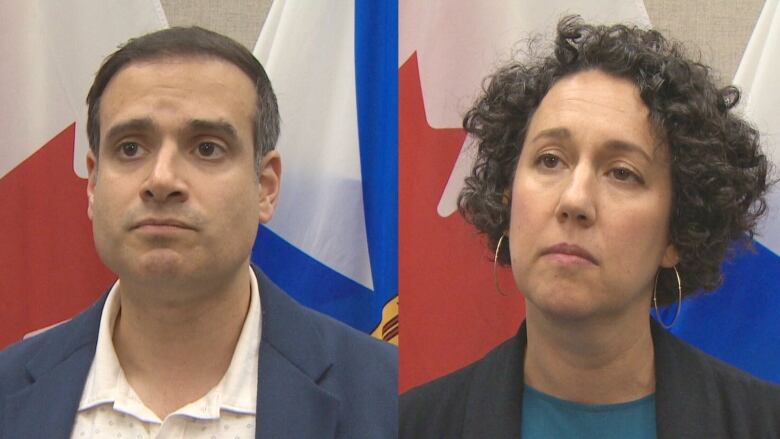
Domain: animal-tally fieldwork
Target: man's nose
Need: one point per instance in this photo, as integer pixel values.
(165, 181)
(577, 202)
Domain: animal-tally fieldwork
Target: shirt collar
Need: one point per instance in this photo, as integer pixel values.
(236, 391)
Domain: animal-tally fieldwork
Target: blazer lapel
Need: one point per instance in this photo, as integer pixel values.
(683, 390)
(291, 402)
(56, 380)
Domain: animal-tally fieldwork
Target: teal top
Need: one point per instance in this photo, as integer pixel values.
(545, 416)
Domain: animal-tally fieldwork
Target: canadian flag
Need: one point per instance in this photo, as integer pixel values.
(50, 50)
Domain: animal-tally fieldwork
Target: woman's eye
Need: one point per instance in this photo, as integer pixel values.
(624, 174)
(549, 161)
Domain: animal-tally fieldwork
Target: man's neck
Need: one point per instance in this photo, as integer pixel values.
(174, 348)
(591, 362)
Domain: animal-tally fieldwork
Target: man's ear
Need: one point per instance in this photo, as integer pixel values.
(270, 178)
(91, 180)
(671, 257)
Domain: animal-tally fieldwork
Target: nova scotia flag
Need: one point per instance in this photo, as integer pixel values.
(332, 241)
(740, 322)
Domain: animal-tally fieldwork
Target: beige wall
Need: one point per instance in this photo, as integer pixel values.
(718, 29)
(238, 19)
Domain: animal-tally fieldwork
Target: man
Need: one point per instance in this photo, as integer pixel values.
(191, 341)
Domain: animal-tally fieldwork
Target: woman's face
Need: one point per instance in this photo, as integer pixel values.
(591, 202)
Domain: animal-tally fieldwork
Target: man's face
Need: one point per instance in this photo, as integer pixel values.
(591, 202)
(174, 195)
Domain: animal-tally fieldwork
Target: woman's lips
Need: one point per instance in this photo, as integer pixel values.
(566, 253)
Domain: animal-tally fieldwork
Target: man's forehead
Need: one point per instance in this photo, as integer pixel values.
(184, 77)
(193, 64)
(180, 89)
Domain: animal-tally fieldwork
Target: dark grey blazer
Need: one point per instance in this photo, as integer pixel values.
(697, 397)
(317, 377)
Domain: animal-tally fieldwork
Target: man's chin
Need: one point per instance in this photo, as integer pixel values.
(161, 266)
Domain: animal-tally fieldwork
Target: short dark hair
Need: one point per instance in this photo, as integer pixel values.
(189, 41)
(719, 174)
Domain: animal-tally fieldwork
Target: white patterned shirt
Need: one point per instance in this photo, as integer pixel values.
(110, 408)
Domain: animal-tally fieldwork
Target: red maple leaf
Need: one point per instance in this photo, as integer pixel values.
(450, 311)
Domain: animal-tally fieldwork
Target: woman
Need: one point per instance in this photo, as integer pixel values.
(612, 176)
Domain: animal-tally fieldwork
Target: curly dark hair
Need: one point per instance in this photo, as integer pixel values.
(719, 174)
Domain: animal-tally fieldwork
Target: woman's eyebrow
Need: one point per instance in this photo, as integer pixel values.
(561, 133)
(625, 146)
(558, 133)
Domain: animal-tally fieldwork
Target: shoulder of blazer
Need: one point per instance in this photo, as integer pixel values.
(328, 360)
(297, 331)
(47, 372)
(483, 399)
(700, 396)
(436, 409)
(21, 362)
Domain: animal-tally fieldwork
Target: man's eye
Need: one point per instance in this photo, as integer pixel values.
(130, 149)
(209, 149)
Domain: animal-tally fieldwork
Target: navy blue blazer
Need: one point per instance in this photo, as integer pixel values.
(318, 378)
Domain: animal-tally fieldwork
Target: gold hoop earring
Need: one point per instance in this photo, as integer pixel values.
(495, 267)
(679, 299)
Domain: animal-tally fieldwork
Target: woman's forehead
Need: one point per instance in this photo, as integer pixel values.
(598, 108)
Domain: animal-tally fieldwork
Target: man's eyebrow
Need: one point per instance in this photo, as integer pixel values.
(140, 124)
(222, 127)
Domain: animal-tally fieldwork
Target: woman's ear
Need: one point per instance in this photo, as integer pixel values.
(671, 257)
(507, 197)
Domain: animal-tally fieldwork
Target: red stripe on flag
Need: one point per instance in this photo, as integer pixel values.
(49, 268)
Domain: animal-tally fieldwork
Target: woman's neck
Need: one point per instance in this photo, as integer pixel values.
(593, 362)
